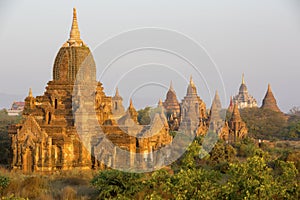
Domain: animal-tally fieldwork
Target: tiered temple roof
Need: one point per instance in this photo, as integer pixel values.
(171, 103)
(243, 99)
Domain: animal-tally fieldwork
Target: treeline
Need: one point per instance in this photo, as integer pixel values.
(5, 143)
(271, 125)
(228, 172)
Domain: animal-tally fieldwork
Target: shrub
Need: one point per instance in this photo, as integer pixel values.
(114, 183)
(144, 116)
(68, 193)
(4, 181)
(12, 197)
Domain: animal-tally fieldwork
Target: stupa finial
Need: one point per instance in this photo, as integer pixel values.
(191, 80)
(171, 86)
(30, 92)
(74, 39)
(130, 103)
(243, 78)
(117, 92)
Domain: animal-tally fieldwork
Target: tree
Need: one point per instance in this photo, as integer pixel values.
(159, 185)
(196, 184)
(221, 155)
(254, 179)
(5, 142)
(116, 184)
(144, 116)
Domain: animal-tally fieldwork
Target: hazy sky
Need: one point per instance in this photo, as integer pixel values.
(258, 37)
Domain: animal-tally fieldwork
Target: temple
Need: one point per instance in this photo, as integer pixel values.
(216, 121)
(74, 124)
(172, 108)
(234, 129)
(69, 125)
(193, 112)
(269, 101)
(243, 99)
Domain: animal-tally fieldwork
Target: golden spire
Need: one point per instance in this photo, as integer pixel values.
(191, 80)
(269, 88)
(171, 86)
(117, 92)
(231, 101)
(74, 39)
(217, 94)
(30, 92)
(160, 103)
(243, 78)
(130, 104)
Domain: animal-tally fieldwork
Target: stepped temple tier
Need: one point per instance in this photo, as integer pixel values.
(243, 99)
(74, 124)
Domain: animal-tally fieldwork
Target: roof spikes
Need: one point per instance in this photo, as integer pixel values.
(243, 78)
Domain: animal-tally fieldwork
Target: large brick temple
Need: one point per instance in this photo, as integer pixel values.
(69, 126)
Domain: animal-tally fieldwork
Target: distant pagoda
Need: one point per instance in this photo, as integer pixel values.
(171, 103)
(193, 111)
(243, 99)
(118, 109)
(269, 102)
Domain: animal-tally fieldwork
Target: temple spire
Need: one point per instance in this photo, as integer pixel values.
(171, 86)
(269, 102)
(130, 104)
(191, 80)
(117, 92)
(243, 78)
(269, 88)
(231, 101)
(217, 95)
(236, 113)
(30, 92)
(74, 39)
(160, 103)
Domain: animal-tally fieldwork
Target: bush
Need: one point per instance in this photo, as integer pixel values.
(4, 181)
(254, 179)
(12, 197)
(144, 116)
(117, 184)
(68, 193)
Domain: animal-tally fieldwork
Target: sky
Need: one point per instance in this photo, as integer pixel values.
(214, 41)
